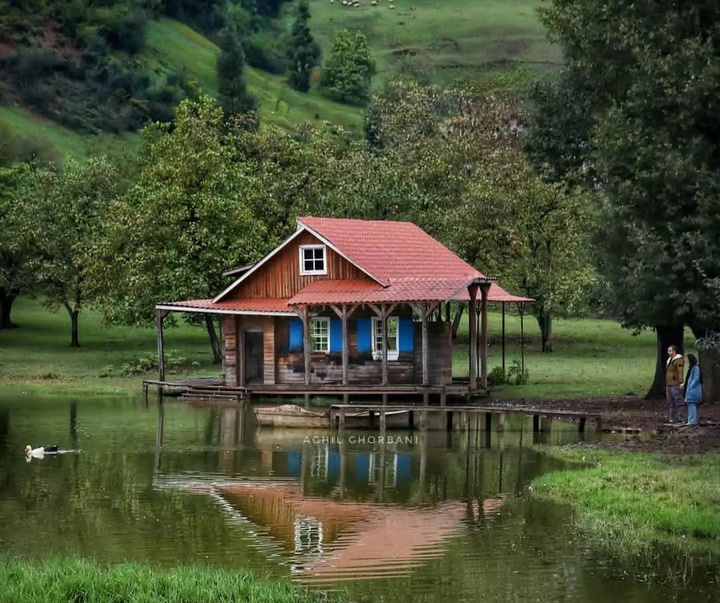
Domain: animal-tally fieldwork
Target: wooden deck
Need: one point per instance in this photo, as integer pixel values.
(213, 388)
(463, 417)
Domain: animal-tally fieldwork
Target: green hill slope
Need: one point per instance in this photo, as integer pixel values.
(446, 41)
(500, 42)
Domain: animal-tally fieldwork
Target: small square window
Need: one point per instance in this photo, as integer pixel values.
(320, 335)
(312, 259)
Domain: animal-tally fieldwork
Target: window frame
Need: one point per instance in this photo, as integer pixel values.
(376, 334)
(314, 348)
(303, 249)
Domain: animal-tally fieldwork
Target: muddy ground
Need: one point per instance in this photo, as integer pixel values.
(643, 423)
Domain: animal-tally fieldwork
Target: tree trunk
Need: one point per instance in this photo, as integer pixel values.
(666, 336)
(74, 340)
(456, 320)
(6, 301)
(545, 324)
(214, 339)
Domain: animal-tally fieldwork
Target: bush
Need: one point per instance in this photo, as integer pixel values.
(497, 376)
(516, 375)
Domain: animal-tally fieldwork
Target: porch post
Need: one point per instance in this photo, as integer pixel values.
(344, 313)
(383, 331)
(502, 305)
(305, 316)
(472, 326)
(240, 376)
(425, 346)
(345, 347)
(159, 318)
(484, 290)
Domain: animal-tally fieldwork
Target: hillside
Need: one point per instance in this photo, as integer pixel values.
(494, 42)
(480, 40)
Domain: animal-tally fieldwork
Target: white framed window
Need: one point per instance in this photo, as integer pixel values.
(377, 339)
(312, 259)
(320, 335)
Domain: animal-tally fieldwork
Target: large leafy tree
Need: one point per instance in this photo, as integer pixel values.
(348, 70)
(640, 95)
(16, 248)
(473, 188)
(65, 209)
(187, 219)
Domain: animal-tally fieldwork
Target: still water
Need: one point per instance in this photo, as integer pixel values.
(422, 516)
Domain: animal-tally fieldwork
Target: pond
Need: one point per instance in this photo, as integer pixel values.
(423, 516)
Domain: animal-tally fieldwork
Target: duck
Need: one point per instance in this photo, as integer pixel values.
(41, 450)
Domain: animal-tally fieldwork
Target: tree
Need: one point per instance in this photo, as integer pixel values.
(233, 94)
(302, 53)
(473, 188)
(16, 249)
(645, 76)
(187, 219)
(347, 72)
(67, 208)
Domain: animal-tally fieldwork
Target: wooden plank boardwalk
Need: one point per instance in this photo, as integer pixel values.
(462, 417)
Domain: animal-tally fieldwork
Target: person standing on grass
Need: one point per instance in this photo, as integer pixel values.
(693, 389)
(674, 382)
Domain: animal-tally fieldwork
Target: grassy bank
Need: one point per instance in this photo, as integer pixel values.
(84, 582)
(629, 501)
(592, 357)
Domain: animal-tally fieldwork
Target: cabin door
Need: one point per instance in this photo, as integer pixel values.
(254, 359)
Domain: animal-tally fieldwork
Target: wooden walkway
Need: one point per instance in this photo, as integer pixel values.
(462, 417)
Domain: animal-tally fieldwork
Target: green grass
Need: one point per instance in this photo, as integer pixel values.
(173, 46)
(628, 501)
(592, 358)
(61, 581)
(36, 358)
(59, 141)
(450, 40)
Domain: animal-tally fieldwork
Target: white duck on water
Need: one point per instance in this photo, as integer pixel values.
(40, 451)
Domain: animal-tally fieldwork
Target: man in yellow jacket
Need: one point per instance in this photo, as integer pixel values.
(674, 377)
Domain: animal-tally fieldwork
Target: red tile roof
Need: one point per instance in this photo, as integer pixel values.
(248, 306)
(400, 290)
(390, 250)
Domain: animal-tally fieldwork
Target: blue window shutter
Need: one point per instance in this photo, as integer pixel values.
(406, 331)
(336, 335)
(364, 335)
(296, 335)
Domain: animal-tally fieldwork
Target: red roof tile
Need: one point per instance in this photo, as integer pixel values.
(390, 250)
(244, 305)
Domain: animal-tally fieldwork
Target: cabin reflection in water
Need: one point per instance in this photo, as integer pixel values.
(343, 510)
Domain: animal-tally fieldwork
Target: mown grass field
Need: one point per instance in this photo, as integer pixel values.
(592, 358)
(445, 41)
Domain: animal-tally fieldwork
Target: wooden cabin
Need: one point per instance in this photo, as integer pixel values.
(349, 306)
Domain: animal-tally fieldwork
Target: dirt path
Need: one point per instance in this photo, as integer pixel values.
(646, 416)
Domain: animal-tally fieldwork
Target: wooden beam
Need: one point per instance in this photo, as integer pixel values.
(305, 317)
(484, 290)
(472, 290)
(238, 353)
(344, 312)
(159, 318)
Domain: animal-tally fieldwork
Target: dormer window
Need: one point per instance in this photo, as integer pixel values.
(312, 259)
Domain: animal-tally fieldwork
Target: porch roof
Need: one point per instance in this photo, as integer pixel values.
(242, 306)
(364, 292)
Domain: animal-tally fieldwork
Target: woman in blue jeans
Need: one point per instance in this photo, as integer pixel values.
(693, 389)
